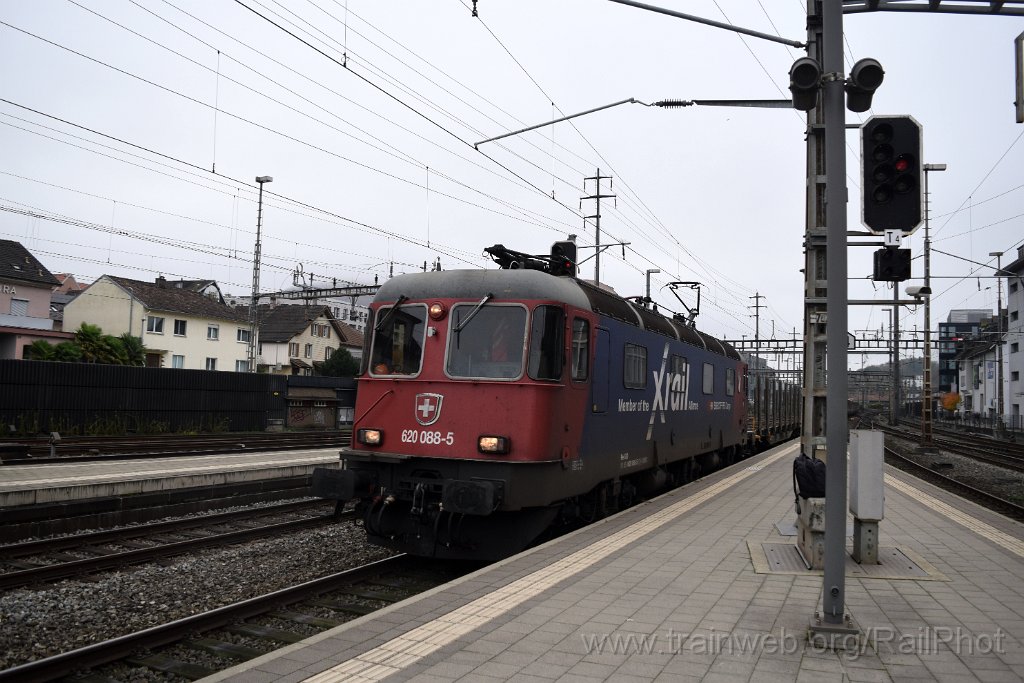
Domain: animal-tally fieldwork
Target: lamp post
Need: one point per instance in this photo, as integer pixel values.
(649, 272)
(999, 339)
(253, 327)
(926, 397)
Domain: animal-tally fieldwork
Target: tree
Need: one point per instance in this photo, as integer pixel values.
(341, 364)
(134, 349)
(41, 350)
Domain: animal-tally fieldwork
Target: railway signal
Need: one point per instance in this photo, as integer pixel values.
(892, 265)
(891, 174)
(563, 258)
(804, 83)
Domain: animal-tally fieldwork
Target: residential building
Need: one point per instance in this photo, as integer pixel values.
(181, 326)
(295, 339)
(25, 287)
(960, 324)
(1013, 351)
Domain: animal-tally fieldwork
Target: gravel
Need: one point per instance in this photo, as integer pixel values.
(38, 623)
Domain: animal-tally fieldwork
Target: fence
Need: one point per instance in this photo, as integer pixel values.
(82, 398)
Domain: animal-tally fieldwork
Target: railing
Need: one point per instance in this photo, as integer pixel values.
(1012, 424)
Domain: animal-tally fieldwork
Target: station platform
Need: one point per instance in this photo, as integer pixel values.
(697, 585)
(43, 484)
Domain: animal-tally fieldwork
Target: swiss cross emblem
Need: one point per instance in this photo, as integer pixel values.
(428, 408)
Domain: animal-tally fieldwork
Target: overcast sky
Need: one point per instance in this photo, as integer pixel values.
(117, 112)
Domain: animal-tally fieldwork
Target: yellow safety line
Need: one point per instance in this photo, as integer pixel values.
(398, 653)
(979, 527)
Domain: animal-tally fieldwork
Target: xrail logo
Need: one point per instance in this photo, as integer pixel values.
(671, 389)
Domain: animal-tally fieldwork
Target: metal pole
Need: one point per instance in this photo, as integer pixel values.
(253, 310)
(926, 395)
(999, 340)
(650, 271)
(896, 352)
(836, 431)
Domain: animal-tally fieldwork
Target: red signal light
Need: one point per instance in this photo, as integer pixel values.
(902, 165)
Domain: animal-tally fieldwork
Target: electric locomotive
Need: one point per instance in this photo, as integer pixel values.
(494, 403)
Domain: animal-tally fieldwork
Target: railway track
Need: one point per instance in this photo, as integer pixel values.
(983, 498)
(54, 559)
(202, 644)
(991, 451)
(88, 449)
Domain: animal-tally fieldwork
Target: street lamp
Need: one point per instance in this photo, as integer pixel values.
(999, 338)
(251, 355)
(926, 398)
(649, 272)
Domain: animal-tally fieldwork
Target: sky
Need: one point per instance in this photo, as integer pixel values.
(132, 132)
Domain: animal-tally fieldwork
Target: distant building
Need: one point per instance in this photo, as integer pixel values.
(1013, 355)
(296, 339)
(960, 325)
(183, 324)
(25, 287)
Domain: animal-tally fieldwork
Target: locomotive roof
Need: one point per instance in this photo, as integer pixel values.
(473, 284)
(537, 285)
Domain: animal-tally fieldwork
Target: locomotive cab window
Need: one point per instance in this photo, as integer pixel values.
(546, 336)
(730, 381)
(709, 378)
(486, 342)
(398, 341)
(634, 367)
(580, 349)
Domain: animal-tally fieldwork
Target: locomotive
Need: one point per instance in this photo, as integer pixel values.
(493, 404)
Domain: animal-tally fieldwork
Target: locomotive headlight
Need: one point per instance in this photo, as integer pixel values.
(493, 444)
(436, 311)
(370, 437)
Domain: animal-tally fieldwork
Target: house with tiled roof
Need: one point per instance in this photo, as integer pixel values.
(180, 326)
(295, 339)
(25, 286)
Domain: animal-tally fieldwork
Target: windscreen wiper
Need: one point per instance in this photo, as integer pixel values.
(391, 311)
(487, 297)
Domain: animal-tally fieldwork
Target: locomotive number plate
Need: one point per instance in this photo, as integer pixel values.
(428, 437)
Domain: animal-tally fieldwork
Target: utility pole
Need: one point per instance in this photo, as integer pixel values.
(597, 197)
(757, 351)
(926, 393)
(253, 301)
(999, 341)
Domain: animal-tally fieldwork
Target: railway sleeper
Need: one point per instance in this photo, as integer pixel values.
(344, 607)
(265, 632)
(159, 662)
(308, 619)
(224, 649)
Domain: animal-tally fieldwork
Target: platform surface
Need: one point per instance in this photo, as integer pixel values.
(673, 590)
(28, 484)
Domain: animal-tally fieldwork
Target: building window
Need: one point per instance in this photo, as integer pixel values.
(709, 378)
(328, 352)
(243, 335)
(155, 325)
(293, 349)
(177, 361)
(319, 404)
(309, 351)
(213, 332)
(241, 366)
(180, 327)
(211, 363)
(19, 307)
(1013, 287)
(1014, 315)
(1014, 347)
(1015, 376)
(634, 369)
